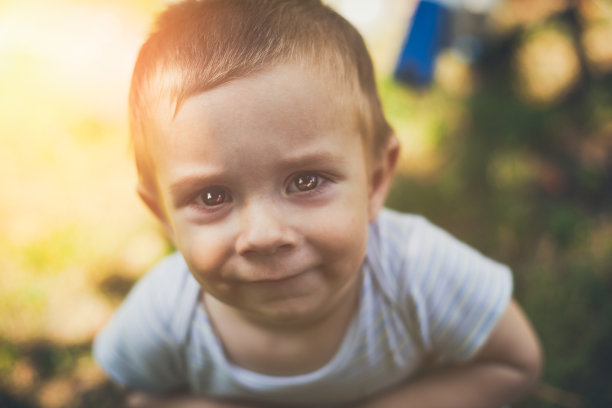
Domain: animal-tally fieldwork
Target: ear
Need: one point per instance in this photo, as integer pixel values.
(381, 176)
(151, 200)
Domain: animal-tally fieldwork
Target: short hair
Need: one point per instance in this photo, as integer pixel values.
(198, 45)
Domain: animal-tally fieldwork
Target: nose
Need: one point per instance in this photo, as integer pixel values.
(264, 229)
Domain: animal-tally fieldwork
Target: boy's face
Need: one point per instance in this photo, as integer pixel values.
(267, 194)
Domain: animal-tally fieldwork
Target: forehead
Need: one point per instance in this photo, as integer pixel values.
(277, 120)
(285, 99)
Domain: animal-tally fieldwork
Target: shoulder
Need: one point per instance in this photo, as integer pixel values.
(167, 294)
(141, 345)
(395, 224)
(411, 244)
(170, 270)
(403, 230)
(402, 235)
(454, 293)
(398, 242)
(167, 279)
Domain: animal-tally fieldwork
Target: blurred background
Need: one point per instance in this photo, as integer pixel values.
(507, 144)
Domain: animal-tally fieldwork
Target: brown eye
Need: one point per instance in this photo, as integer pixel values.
(306, 182)
(213, 196)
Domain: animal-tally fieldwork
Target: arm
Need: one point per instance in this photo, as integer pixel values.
(136, 399)
(504, 370)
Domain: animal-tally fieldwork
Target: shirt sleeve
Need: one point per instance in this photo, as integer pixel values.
(458, 293)
(139, 347)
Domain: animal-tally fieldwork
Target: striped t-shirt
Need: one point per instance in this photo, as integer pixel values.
(425, 297)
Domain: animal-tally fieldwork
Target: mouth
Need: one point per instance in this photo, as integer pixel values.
(273, 271)
(273, 276)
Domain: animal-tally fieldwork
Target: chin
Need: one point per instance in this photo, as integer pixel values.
(291, 313)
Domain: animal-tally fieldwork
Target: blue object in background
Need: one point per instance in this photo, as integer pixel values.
(425, 38)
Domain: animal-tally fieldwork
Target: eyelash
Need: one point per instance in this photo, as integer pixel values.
(224, 197)
(315, 178)
(211, 191)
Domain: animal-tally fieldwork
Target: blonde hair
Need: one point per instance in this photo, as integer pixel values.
(201, 44)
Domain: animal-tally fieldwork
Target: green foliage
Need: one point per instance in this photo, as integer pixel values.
(531, 185)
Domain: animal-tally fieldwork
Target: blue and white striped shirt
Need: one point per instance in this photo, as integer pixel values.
(426, 297)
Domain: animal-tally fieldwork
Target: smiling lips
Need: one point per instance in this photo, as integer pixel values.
(270, 274)
(273, 276)
(278, 268)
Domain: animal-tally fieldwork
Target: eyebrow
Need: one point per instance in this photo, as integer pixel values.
(213, 175)
(189, 179)
(316, 158)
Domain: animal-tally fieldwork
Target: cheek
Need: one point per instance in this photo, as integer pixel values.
(342, 235)
(205, 250)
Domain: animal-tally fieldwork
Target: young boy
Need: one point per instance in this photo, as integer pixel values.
(262, 148)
